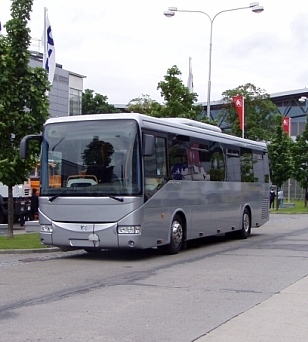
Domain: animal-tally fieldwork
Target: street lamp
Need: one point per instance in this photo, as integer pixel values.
(171, 12)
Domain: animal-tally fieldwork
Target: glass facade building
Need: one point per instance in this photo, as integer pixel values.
(288, 103)
(65, 95)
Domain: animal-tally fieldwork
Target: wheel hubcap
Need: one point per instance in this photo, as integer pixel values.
(246, 223)
(177, 233)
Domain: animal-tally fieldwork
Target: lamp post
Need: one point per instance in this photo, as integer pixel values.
(171, 12)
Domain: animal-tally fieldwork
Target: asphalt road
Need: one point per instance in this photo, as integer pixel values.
(148, 296)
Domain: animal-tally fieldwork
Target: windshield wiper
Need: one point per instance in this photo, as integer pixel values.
(51, 199)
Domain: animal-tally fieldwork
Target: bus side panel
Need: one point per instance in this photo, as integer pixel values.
(210, 208)
(217, 207)
(207, 204)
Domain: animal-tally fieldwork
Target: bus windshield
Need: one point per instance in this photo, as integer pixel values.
(93, 158)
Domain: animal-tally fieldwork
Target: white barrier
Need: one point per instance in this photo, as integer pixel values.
(32, 226)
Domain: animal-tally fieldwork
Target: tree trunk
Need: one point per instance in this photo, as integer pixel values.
(10, 213)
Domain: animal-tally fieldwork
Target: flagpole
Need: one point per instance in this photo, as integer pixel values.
(289, 181)
(243, 118)
(44, 39)
(190, 84)
(290, 126)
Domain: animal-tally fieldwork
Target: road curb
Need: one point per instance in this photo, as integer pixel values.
(34, 250)
(277, 212)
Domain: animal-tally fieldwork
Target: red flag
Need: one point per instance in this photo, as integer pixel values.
(286, 125)
(239, 106)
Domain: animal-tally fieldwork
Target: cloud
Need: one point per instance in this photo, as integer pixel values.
(125, 48)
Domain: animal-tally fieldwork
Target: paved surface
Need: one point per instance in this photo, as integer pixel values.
(282, 317)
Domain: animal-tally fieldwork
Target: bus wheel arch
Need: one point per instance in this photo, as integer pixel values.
(245, 230)
(184, 227)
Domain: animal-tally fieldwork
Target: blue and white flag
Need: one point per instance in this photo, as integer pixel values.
(190, 82)
(49, 57)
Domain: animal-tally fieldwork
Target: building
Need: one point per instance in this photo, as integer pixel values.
(66, 92)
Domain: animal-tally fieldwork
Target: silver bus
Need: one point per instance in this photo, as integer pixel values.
(134, 181)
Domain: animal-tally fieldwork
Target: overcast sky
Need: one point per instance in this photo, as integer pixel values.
(124, 47)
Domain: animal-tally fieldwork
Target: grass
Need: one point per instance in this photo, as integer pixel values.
(21, 241)
(299, 208)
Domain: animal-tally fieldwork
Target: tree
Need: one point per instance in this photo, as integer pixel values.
(300, 159)
(23, 100)
(279, 148)
(96, 104)
(142, 105)
(259, 112)
(179, 101)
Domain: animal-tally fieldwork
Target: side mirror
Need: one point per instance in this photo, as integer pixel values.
(25, 143)
(148, 144)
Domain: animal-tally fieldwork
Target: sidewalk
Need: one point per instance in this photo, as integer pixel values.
(19, 230)
(282, 317)
(29, 227)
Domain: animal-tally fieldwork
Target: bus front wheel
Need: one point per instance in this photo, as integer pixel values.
(176, 236)
(246, 225)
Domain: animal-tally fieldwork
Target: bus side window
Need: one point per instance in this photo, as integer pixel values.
(178, 157)
(233, 164)
(247, 165)
(199, 160)
(155, 169)
(218, 166)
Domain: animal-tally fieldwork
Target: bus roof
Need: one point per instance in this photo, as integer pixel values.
(168, 125)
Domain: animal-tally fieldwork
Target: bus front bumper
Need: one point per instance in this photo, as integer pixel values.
(79, 235)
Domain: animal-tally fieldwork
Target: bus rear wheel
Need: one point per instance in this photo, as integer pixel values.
(246, 225)
(176, 236)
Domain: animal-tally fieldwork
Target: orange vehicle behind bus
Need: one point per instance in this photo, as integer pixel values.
(54, 176)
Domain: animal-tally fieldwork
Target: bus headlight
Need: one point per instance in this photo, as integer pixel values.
(46, 228)
(129, 230)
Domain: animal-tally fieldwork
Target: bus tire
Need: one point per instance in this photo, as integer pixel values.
(1, 217)
(176, 236)
(246, 225)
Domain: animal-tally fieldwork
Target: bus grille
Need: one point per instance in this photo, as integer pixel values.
(265, 208)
